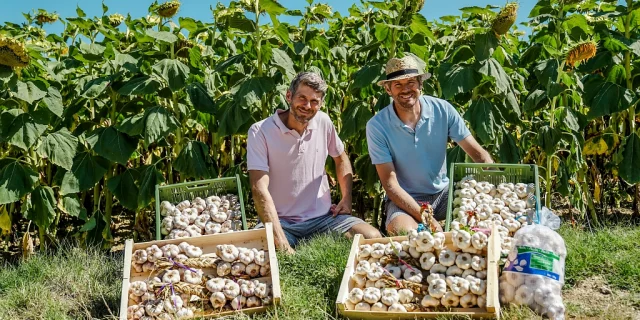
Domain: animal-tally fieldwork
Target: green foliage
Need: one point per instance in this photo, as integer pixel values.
(104, 113)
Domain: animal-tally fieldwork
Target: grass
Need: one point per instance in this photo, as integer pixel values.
(612, 253)
(75, 283)
(72, 283)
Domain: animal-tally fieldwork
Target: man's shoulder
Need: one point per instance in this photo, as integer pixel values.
(434, 100)
(436, 103)
(261, 125)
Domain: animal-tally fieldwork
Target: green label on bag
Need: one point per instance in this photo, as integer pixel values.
(541, 262)
(539, 252)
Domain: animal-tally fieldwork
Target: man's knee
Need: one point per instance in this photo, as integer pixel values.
(366, 230)
(401, 225)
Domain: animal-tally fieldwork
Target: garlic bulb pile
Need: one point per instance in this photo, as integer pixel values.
(420, 274)
(534, 272)
(481, 204)
(178, 286)
(200, 216)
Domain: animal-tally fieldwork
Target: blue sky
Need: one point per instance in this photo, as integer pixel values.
(199, 9)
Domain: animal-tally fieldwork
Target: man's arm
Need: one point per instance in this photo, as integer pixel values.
(266, 208)
(389, 180)
(345, 179)
(474, 150)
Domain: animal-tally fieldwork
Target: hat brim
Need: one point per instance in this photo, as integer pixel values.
(424, 76)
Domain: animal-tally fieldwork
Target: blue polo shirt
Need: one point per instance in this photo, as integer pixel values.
(419, 155)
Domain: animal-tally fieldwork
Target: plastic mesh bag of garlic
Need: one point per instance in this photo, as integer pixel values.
(196, 217)
(534, 272)
(178, 286)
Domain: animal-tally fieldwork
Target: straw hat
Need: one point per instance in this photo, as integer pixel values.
(403, 68)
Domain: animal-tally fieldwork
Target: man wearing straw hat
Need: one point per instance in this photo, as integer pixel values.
(407, 143)
(286, 155)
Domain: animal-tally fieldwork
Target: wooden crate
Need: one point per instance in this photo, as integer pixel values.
(492, 310)
(261, 239)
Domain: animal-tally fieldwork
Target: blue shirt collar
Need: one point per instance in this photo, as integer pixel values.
(426, 112)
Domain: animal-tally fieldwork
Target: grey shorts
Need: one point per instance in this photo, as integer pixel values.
(296, 231)
(438, 201)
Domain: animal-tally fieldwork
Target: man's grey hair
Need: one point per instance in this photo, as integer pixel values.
(310, 79)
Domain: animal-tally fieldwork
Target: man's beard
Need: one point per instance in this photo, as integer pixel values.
(301, 118)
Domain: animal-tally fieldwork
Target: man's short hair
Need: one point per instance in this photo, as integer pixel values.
(310, 79)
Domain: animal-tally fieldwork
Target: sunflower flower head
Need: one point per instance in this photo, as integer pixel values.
(46, 17)
(505, 18)
(583, 51)
(115, 19)
(168, 9)
(13, 53)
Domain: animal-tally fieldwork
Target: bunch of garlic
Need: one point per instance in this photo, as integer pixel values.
(231, 261)
(449, 275)
(222, 290)
(144, 304)
(200, 216)
(481, 204)
(236, 295)
(223, 295)
(534, 272)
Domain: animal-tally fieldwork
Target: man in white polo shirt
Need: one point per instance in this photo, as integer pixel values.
(286, 155)
(407, 143)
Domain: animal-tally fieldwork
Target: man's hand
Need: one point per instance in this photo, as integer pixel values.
(343, 207)
(285, 247)
(435, 225)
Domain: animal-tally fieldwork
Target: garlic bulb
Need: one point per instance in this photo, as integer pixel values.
(388, 296)
(405, 296)
(413, 275)
(193, 277)
(364, 251)
(246, 256)
(437, 288)
(228, 252)
(223, 269)
(363, 267)
(215, 284)
(463, 260)
(447, 257)
(450, 300)
(468, 300)
(363, 306)
(230, 289)
(262, 290)
(356, 295)
(218, 299)
(396, 307)
(253, 302)
(238, 302)
(172, 304)
(375, 272)
(372, 295)
(430, 302)
(379, 306)
(253, 270)
(138, 288)
(154, 309)
(427, 260)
